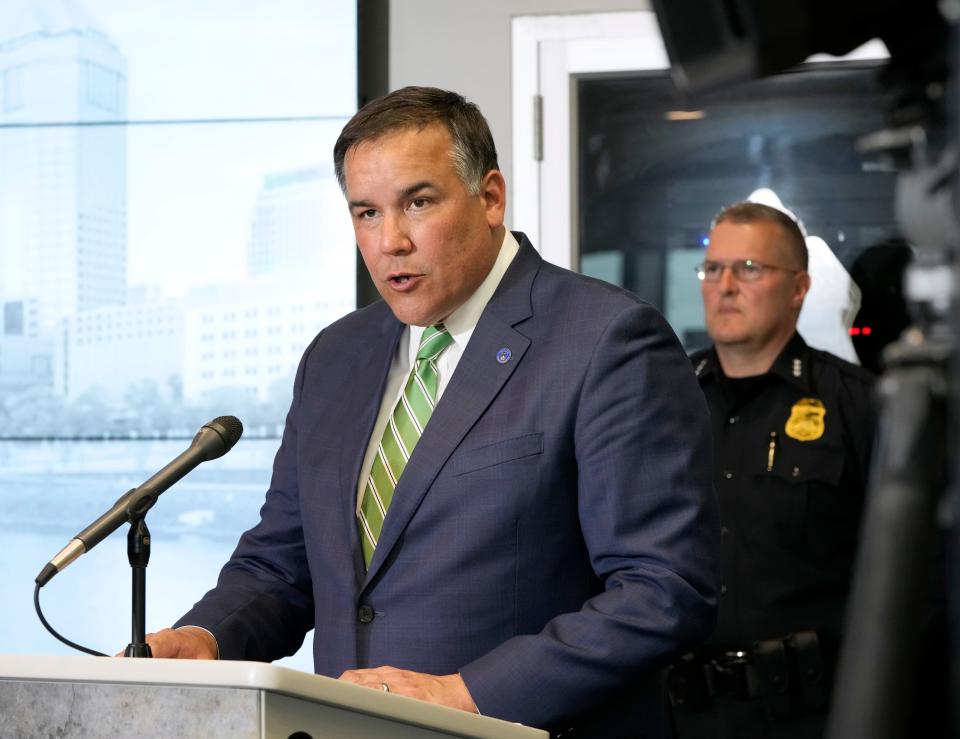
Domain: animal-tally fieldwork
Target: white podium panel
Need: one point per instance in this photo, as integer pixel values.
(94, 697)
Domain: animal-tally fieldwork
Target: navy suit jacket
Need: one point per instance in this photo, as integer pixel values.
(554, 537)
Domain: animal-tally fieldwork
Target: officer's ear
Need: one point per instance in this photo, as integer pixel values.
(801, 286)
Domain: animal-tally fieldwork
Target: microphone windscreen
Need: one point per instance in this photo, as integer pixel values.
(218, 437)
(230, 428)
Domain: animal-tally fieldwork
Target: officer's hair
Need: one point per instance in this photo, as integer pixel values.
(473, 150)
(750, 212)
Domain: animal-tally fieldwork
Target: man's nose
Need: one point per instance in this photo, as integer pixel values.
(394, 238)
(728, 282)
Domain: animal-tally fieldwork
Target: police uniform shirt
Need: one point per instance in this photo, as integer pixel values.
(791, 453)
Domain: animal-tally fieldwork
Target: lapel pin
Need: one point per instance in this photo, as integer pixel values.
(503, 356)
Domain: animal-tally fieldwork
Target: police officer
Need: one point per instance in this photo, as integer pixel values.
(793, 429)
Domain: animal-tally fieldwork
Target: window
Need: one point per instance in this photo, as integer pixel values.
(13, 88)
(103, 87)
(656, 166)
(193, 118)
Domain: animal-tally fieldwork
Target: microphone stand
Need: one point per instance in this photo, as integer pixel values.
(213, 440)
(138, 554)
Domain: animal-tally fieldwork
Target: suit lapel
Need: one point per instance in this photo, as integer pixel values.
(479, 376)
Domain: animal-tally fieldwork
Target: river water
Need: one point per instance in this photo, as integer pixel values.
(49, 491)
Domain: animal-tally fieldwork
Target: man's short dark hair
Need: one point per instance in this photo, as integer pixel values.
(750, 212)
(474, 153)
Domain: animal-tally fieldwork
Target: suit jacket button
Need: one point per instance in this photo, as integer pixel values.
(365, 614)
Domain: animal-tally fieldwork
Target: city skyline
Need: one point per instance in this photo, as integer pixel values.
(191, 187)
(180, 214)
(204, 188)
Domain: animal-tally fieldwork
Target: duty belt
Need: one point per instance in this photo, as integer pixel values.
(787, 674)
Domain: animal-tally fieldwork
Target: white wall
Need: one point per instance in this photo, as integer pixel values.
(466, 47)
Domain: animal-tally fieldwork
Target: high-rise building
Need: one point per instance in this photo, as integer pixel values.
(218, 338)
(20, 318)
(250, 339)
(301, 226)
(62, 161)
(113, 347)
(25, 362)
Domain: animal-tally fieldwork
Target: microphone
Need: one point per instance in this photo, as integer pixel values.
(213, 440)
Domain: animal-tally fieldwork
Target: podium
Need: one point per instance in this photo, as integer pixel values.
(94, 697)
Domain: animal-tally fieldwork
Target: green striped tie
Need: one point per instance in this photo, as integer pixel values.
(401, 435)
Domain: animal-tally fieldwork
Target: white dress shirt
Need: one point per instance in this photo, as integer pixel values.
(460, 324)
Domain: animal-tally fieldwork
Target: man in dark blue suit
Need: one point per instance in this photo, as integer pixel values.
(493, 490)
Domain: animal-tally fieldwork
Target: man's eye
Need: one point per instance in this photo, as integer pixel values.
(749, 267)
(366, 214)
(712, 269)
(418, 203)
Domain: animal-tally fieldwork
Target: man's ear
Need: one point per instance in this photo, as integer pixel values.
(493, 190)
(801, 286)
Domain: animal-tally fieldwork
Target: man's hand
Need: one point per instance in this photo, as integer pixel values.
(447, 690)
(187, 642)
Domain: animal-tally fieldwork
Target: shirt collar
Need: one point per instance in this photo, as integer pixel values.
(706, 365)
(464, 319)
(792, 364)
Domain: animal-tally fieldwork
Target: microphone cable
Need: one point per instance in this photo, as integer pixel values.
(48, 627)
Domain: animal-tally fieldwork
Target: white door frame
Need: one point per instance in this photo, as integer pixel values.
(549, 51)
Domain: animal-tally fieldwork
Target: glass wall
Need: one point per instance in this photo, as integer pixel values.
(656, 166)
(171, 238)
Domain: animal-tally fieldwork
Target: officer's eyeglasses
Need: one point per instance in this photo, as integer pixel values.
(744, 270)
